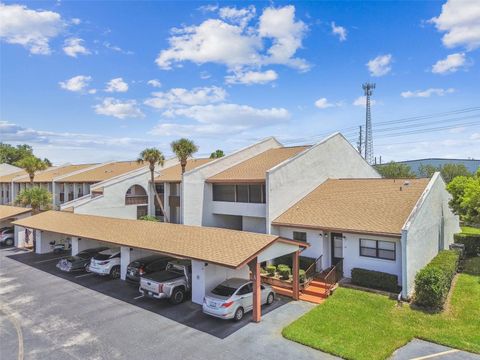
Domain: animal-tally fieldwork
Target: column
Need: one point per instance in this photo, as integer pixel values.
(124, 261)
(296, 284)
(257, 304)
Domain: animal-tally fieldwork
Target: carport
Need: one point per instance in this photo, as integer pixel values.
(8, 214)
(216, 253)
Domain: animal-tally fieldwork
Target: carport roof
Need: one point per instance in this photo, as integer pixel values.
(7, 212)
(230, 248)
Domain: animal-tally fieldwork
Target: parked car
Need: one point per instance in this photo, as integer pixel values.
(233, 298)
(174, 283)
(105, 263)
(80, 261)
(7, 236)
(145, 266)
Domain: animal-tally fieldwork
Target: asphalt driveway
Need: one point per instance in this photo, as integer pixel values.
(187, 313)
(60, 319)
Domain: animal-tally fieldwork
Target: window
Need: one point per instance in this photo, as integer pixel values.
(300, 236)
(239, 193)
(245, 289)
(242, 193)
(378, 249)
(255, 194)
(160, 188)
(224, 193)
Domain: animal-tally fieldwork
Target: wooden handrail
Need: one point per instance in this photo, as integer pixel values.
(312, 266)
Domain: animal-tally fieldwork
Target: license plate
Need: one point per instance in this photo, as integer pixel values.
(212, 304)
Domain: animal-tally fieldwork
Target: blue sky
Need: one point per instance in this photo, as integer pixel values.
(98, 81)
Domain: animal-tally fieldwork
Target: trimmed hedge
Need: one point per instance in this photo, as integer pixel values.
(284, 271)
(433, 282)
(471, 242)
(301, 275)
(375, 279)
(271, 270)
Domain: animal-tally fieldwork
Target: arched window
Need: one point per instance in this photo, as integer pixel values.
(136, 195)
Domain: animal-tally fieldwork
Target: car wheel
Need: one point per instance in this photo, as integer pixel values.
(115, 272)
(9, 242)
(178, 295)
(270, 298)
(239, 314)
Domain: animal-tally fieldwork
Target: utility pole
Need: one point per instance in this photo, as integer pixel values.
(360, 138)
(368, 91)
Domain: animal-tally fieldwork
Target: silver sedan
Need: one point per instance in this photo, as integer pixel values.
(233, 298)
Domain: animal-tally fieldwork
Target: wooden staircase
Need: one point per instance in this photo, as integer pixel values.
(316, 292)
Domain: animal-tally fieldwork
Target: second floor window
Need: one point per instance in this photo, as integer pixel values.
(239, 193)
(300, 236)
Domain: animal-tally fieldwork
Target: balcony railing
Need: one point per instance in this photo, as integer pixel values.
(136, 200)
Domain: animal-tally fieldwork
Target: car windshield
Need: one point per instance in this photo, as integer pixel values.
(102, 256)
(223, 290)
(135, 264)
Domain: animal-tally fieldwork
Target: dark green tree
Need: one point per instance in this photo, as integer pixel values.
(393, 170)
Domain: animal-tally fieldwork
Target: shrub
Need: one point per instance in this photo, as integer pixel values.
(282, 266)
(301, 275)
(284, 272)
(271, 270)
(433, 282)
(375, 279)
(471, 242)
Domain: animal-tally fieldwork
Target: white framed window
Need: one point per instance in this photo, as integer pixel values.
(378, 249)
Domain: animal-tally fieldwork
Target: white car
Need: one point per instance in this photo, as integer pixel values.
(105, 263)
(7, 236)
(233, 298)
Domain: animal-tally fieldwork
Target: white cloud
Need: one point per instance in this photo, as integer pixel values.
(74, 46)
(77, 83)
(251, 77)
(155, 83)
(117, 48)
(361, 101)
(427, 93)
(380, 66)
(237, 47)
(220, 119)
(183, 97)
(323, 103)
(120, 109)
(340, 31)
(30, 28)
(460, 20)
(76, 21)
(240, 16)
(450, 64)
(116, 85)
(204, 75)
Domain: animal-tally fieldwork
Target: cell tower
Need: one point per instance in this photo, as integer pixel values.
(368, 90)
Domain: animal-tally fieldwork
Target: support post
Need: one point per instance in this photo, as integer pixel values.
(257, 305)
(296, 283)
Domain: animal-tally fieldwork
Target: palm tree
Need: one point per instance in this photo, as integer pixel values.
(31, 164)
(37, 198)
(217, 154)
(153, 156)
(184, 149)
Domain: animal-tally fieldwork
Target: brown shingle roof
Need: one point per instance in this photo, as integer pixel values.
(9, 177)
(10, 211)
(49, 174)
(174, 173)
(255, 168)
(226, 247)
(356, 205)
(104, 172)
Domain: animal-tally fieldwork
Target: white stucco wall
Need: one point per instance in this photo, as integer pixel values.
(318, 245)
(197, 195)
(423, 231)
(112, 202)
(206, 276)
(254, 224)
(43, 239)
(236, 208)
(333, 157)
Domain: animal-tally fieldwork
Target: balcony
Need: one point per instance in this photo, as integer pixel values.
(174, 201)
(239, 209)
(136, 200)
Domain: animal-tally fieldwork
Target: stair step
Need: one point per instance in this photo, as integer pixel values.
(312, 299)
(318, 283)
(315, 291)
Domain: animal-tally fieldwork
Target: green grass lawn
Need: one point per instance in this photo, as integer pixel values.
(470, 230)
(355, 324)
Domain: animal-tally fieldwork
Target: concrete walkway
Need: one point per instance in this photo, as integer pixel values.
(423, 350)
(63, 320)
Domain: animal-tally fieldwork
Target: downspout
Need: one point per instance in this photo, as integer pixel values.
(403, 242)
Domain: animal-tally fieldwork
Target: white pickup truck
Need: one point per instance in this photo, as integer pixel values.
(173, 283)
